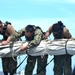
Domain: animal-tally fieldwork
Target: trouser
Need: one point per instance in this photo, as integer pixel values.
(6, 73)
(9, 65)
(41, 62)
(62, 65)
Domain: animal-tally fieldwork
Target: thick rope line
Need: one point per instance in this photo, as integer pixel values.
(18, 66)
(66, 47)
(44, 66)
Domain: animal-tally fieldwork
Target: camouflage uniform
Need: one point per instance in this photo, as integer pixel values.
(62, 63)
(41, 62)
(8, 63)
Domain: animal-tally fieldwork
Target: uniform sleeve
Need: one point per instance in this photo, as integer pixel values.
(22, 31)
(17, 35)
(10, 29)
(66, 33)
(37, 39)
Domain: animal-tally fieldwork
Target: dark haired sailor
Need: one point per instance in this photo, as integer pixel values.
(62, 63)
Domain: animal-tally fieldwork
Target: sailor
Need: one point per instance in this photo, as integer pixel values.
(8, 64)
(34, 35)
(62, 63)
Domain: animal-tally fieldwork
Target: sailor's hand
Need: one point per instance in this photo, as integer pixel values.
(46, 35)
(23, 48)
(4, 43)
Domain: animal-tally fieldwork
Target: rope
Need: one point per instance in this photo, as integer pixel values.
(18, 66)
(13, 51)
(11, 46)
(44, 67)
(46, 64)
(66, 47)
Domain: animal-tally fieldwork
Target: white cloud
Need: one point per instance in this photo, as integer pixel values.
(71, 1)
(53, 1)
(39, 1)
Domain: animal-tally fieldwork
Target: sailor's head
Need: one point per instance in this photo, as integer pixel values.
(29, 30)
(57, 26)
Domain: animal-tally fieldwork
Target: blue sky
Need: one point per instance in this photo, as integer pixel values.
(19, 9)
(42, 13)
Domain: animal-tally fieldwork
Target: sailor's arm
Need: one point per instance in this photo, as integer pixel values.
(48, 32)
(13, 37)
(35, 42)
(66, 33)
